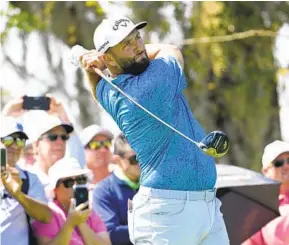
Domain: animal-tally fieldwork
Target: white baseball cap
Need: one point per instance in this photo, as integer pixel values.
(44, 123)
(64, 168)
(112, 31)
(273, 150)
(9, 125)
(89, 132)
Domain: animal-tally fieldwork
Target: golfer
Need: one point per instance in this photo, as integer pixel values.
(176, 202)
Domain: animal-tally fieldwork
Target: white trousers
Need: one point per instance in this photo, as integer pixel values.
(168, 217)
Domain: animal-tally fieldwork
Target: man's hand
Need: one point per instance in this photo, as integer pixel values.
(57, 109)
(11, 181)
(13, 108)
(90, 60)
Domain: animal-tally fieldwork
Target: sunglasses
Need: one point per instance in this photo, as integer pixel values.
(9, 140)
(69, 182)
(54, 137)
(97, 144)
(280, 163)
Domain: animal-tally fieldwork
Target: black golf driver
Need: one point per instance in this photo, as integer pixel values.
(215, 144)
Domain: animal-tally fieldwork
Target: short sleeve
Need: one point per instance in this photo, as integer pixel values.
(49, 230)
(96, 223)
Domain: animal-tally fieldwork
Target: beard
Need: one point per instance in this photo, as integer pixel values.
(135, 67)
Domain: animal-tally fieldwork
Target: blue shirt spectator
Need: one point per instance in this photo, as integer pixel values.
(110, 199)
(111, 195)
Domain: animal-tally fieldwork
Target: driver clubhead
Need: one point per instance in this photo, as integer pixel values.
(215, 144)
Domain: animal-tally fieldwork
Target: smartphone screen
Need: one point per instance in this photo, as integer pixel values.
(3, 158)
(80, 194)
(36, 103)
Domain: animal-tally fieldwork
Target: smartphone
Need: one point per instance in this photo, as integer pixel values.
(36, 103)
(3, 158)
(80, 194)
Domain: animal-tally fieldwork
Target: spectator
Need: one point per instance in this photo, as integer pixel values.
(111, 195)
(49, 142)
(22, 195)
(275, 232)
(78, 226)
(97, 149)
(275, 165)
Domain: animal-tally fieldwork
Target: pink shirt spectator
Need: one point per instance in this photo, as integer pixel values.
(51, 229)
(277, 231)
(284, 204)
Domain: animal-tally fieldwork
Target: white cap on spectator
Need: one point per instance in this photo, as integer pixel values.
(89, 132)
(112, 31)
(64, 168)
(9, 125)
(44, 123)
(273, 150)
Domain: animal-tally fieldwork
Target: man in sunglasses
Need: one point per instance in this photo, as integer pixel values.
(97, 149)
(22, 195)
(49, 139)
(111, 195)
(275, 165)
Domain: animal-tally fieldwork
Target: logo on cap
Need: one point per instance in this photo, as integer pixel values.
(19, 127)
(103, 46)
(121, 22)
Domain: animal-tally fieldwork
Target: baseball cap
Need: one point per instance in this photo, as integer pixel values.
(46, 122)
(273, 150)
(9, 125)
(89, 132)
(64, 168)
(112, 31)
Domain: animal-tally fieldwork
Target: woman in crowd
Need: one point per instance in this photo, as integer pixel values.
(70, 226)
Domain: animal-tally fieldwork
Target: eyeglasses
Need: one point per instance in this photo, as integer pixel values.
(54, 137)
(9, 140)
(133, 160)
(97, 144)
(69, 182)
(280, 163)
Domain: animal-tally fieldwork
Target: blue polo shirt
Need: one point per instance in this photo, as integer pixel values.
(110, 198)
(167, 160)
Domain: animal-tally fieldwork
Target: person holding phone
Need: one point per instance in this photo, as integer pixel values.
(22, 195)
(69, 225)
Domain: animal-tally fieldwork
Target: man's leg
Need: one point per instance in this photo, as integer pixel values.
(218, 233)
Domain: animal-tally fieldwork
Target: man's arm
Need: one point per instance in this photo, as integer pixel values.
(163, 50)
(35, 209)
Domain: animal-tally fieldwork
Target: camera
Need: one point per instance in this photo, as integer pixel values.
(80, 194)
(3, 158)
(36, 103)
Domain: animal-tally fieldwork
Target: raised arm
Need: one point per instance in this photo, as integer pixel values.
(163, 50)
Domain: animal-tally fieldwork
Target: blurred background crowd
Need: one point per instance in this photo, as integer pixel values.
(238, 82)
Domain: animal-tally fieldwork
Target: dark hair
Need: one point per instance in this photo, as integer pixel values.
(121, 145)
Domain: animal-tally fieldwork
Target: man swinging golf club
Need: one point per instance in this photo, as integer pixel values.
(176, 203)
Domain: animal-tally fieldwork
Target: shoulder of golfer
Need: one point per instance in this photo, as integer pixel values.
(163, 50)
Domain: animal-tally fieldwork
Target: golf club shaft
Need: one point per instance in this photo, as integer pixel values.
(107, 79)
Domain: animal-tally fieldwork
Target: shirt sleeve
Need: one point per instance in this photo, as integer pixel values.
(104, 204)
(36, 189)
(96, 223)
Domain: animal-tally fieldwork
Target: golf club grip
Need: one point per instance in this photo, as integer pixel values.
(100, 73)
